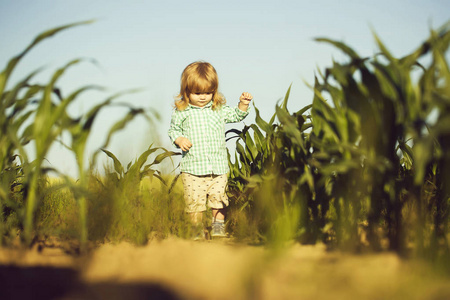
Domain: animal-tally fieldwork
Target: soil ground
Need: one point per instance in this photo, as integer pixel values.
(174, 268)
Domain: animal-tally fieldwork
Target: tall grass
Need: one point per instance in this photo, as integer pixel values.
(134, 210)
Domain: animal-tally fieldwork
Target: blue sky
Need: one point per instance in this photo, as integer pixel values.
(257, 46)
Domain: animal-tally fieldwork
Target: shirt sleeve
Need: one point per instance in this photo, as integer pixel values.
(234, 114)
(175, 129)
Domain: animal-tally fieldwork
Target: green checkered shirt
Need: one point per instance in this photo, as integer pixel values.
(205, 128)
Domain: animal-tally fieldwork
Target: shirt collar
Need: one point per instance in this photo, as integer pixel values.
(196, 107)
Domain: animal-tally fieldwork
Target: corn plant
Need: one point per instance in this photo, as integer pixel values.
(46, 125)
(370, 150)
(392, 109)
(137, 169)
(79, 130)
(38, 113)
(276, 158)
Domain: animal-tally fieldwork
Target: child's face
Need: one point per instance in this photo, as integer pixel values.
(200, 99)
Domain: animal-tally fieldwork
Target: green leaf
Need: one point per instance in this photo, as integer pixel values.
(47, 34)
(290, 127)
(117, 165)
(304, 109)
(119, 125)
(10, 97)
(344, 48)
(159, 158)
(260, 141)
(266, 127)
(144, 156)
(423, 154)
(286, 98)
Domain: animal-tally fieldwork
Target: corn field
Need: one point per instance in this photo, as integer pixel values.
(365, 166)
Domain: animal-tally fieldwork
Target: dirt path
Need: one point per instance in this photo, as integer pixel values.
(181, 269)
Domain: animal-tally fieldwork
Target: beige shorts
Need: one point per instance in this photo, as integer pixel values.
(198, 190)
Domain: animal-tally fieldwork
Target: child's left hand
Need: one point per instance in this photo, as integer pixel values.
(246, 98)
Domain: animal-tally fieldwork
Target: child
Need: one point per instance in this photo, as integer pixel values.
(198, 128)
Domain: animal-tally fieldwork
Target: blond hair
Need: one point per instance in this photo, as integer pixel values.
(199, 77)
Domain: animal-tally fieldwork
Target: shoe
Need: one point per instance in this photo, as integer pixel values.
(218, 230)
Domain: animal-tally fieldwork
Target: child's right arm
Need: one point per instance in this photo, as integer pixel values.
(175, 133)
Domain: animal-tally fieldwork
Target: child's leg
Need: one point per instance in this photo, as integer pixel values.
(195, 198)
(218, 201)
(217, 197)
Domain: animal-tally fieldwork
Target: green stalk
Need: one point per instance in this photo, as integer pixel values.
(82, 203)
(30, 208)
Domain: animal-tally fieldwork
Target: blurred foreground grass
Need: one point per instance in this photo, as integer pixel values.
(136, 212)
